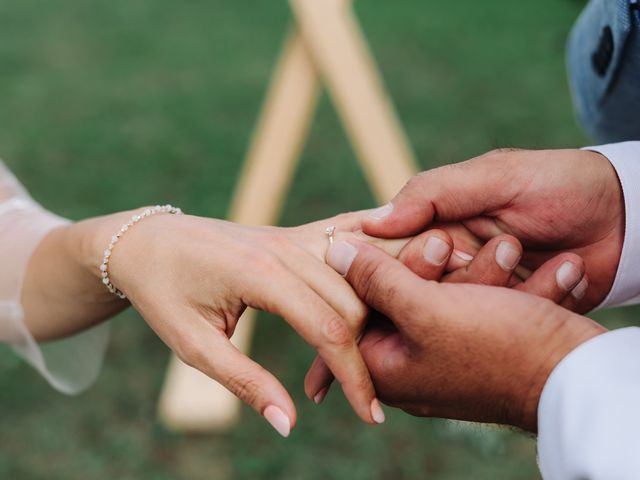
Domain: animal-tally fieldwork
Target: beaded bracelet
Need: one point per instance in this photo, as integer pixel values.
(104, 266)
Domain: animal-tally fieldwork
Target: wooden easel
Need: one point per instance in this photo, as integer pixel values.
(325, 46)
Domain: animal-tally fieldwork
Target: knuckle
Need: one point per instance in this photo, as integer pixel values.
(278, 240)
(344, 218)
(262, 262)
(357, 311)
(376, 280)
(504, 158)
(391, 294)
(190, 353)
(502, 151)
(368, 279)
(336, 332)
(417, 182)
(244, 386)
(420, 178)
(362, 383)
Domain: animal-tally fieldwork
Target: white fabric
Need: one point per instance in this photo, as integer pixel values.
(625, 158)
(69, 365)
(589, 412)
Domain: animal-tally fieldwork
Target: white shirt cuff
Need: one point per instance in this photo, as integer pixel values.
(625, 158)
(589, 411)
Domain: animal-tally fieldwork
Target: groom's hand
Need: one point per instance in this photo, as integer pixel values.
(455, 350)
(553, 201)
(561, 279)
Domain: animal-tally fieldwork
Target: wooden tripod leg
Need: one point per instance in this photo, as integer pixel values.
(339, 50)
(190, 401)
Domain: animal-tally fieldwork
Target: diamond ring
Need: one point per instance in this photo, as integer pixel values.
(330, 231)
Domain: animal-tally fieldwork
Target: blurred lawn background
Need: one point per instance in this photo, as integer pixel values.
(111, 105)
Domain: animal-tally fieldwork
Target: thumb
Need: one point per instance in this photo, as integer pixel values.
(445, 194)
(380, 280)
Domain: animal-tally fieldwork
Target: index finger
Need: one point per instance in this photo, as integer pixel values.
(452, 192)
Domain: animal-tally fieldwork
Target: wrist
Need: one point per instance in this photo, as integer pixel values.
(574, 331)
(624, 285)
(117, 247)
(92, 236)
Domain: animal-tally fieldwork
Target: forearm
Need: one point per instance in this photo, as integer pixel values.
(63, 292)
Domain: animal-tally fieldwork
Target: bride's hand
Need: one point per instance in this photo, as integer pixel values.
(191, 278)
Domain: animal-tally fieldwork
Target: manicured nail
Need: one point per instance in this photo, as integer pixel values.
(507, 256)
(567, 276)
(278, 420)
(382, 212)
(580, 290)
(436, 251)
(340, 256)
(318, 399)
(376, 411)
(463, 256)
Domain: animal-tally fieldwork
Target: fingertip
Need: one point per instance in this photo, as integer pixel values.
(377, 414)
(340, 256)
(508, 253)
(318, 378)
(427, 254)
(568, 275)
(458, 259)
(437, 248)
(580, 290)
(320, 396)
(380, 214)
(279, 398)
(278, 420)
(557, 278)
(399, 218)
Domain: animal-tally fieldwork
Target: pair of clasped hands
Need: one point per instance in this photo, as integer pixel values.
(454, 300)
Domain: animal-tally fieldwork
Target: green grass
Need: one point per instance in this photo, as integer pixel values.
(110, 105)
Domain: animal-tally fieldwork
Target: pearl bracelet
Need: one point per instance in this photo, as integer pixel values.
(104, 266)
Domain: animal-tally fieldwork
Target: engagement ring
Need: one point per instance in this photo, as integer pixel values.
(330, 231)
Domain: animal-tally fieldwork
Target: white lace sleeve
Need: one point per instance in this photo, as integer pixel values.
(69, 365)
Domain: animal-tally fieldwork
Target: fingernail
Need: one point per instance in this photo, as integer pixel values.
(376, 411)
(278, 420)
(567, 276)
(340, 256)
(507, 256)
(580, 290)
(436, 251)
(318, 399)
(382, 212)
(463, 256)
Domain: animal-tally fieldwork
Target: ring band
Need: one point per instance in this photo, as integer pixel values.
(330, 231)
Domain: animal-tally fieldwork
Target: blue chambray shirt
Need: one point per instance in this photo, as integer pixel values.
(603, 58)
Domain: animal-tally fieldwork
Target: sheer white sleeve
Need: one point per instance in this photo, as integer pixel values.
(69, 365)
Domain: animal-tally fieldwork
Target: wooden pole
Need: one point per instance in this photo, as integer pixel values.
(190, 400)
(326, 44)
(340, 53)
